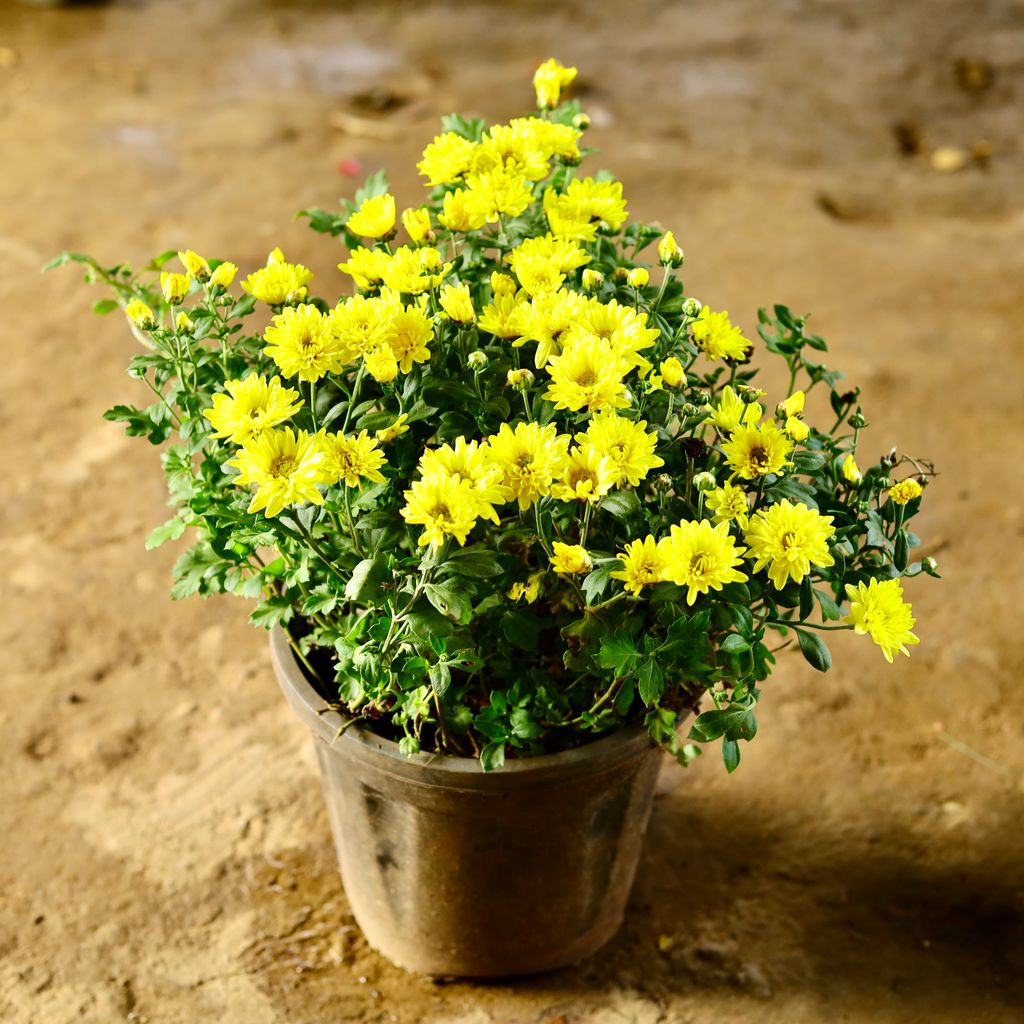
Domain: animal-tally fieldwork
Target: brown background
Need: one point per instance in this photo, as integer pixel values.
(165, 856)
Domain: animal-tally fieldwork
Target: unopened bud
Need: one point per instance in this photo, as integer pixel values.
(581, 121)
(140, 313)
(857, 420)
(174, 286)
(691, 307)
(888, 461)
(620, 274)
(520, 379)
(592, 279)
(223, 274)
(638, 277)
(195, 265)
(930, 566)
(705, 482)
(477, 360)
(669, 253)
(502, 284)
(183, 323)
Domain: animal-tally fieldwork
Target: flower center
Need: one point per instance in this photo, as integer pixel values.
(281, 466)
(700, 563)
(760, 458)
(587, 378)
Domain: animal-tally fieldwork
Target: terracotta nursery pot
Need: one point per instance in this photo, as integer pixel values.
(451, 870)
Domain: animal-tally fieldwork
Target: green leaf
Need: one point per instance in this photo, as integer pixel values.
(733, 644)
(450, 599)
(321, 601)
(493, 755)
(621, 504)
(480, 563)
(440, 678)
(275, 611)
(731, 755)
(651, 682)
(375, 185)
(104, 306)
(829, 609)
(814, 649)
(618, 652)
(171, 530)
(901, 558)
(425, 622)
(736, 722)
(364, 586)
(806, 598)
(596, 582)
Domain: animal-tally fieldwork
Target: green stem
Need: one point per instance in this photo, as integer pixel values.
(351, 524)
(357, 383)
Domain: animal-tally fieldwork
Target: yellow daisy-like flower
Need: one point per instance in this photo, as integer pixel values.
(469, 460)
(499, 193)
(279, 281)
(462, 211)
(905, 491)
(413, 271)
(754, 452)
(456, 301)
(417, 224)
(251, 406)
(551, 139)
(531, 458)
(672, 372)
(850, 470)
(564, 253)
(411, 334)
(174, 286)
(627, 445)
(508, 147)
(303, 342)
(729, 504)
(583, 207)
(138, 312)
(285, 466)
(716, 337)
(351, 458)
(365, 266)
(502, 284)
(878, 609)
(501, 317)
(364, 324)
(381, 364)
(444, 505)
(570, 559)
(732, 411)
(375, 218)
(588, 477)
(545, 320)
(588, 374)
(549, 80)
(701, 557)
(789, 539)
(643, 565)
(223, 274)
(621, 326)
(538, 275)
(395, 430)
(447, 159)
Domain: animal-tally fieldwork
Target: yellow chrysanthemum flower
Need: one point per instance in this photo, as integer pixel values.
(365, 266)
(364, 324)
(303, 343)
(251, 406)
(905, 491)
(413, 271)
(729, 504)
(672, 372)
(588, 477)
(395, 430)
(174, 286)
(550, 138)
(545, 320)
(701, 557)
(538, 275)
(531, 458)
(381, 364)
(447, 159)
(138, 312)
(375, 218)
(588, 374)
(501, 317)
(564, 253)
(583, 206)
(417, 224)
(351, 458)
(716, 337)
(796, 429)
(643, 565)
(570, 559)
(792, 406)
(456, 301)
(196, 266)
(444, 505)
(732, 411)
(878, 609)
(462, 211)
(789, 539)
(621, 326)
(469, 460)
(627, 445)
(285, 466)
(850, 470)
(278, 282)
(502, 284)
(753, 451)
(508, 147)
(223, 274)
(411, 334)
(549, 80)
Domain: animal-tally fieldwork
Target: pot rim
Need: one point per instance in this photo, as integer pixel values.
(604, 754)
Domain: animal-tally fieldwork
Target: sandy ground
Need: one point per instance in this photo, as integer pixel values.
(165, 854)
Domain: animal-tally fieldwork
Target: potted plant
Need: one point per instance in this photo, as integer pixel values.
(513, 511)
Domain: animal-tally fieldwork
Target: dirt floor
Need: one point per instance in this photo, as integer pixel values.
(165, 852)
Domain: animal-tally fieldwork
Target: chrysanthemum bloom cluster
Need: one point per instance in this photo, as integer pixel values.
(514, 482)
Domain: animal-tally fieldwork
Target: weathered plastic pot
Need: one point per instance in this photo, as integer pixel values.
(451, 870)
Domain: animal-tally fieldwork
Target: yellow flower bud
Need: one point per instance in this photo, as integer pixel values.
(638, 277)
(140, 313)
(477, 360)
(669, 253)
(183, 323)
(502, 284)
(417, 224)
(792, 406)
(457, 303)
(195, 264)
(549, 80)
(796, 429)
(388, 434)
(851, 471)
(592, 279)
(672, 372)
(174, 286)
(223, 274)
(382, 365)
(904, 491)
(520, 379)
